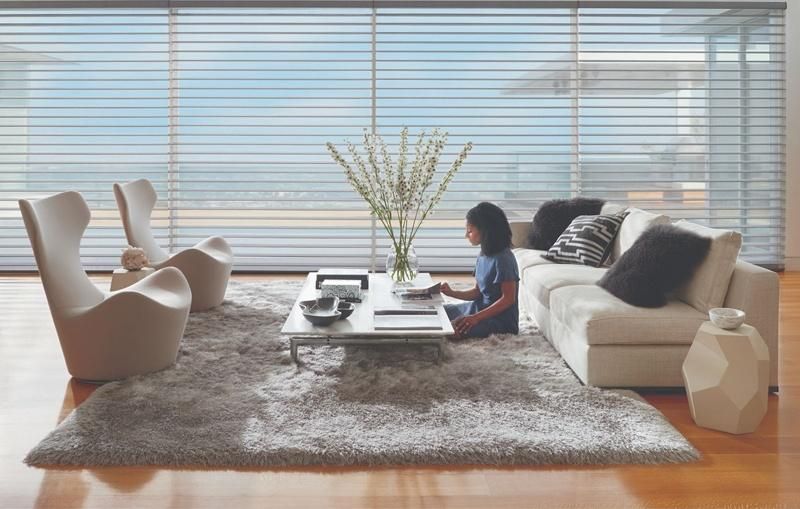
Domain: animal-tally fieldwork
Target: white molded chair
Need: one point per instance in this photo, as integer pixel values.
(207, 265)
(104, 336)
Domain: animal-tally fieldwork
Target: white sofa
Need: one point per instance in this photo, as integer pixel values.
(609, 343)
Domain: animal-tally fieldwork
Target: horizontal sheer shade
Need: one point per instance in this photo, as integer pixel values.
(227, 111)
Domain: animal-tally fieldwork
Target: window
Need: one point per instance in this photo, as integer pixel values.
(682, 112)
(227, 111)
(83, 103)
(258, 93)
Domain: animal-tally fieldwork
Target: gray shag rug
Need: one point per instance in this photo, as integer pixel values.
(235, 398)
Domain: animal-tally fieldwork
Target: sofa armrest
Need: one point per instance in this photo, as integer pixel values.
(756, 291)
(520, 231)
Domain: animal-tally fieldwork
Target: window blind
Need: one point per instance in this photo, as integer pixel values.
(681, 112)
(83, 104)
(227, 111)
(258, 92)
(483, 76)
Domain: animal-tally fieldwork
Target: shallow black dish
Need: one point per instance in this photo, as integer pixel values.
(346, 308)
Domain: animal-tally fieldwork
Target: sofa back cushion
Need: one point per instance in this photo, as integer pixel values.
(610, 207)
(661, 260)
(554, 216)
(586, 241)
(636, 222)
(708, 287)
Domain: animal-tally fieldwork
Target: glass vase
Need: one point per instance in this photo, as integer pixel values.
(402, 264)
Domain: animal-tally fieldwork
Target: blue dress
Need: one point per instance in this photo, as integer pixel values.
(490, 273)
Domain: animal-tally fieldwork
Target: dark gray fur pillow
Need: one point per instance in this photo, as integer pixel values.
(554, 216)
(662, 259)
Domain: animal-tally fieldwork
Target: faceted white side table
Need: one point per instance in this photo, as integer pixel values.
(122, 278)
(726, 374)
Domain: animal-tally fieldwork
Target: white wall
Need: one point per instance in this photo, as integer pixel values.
(793, 135)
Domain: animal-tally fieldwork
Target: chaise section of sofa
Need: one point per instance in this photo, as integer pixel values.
(610, 343)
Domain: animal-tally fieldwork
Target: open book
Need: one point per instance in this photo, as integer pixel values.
(420, 292)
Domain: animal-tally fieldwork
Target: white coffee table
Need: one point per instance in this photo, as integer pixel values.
(358, 328)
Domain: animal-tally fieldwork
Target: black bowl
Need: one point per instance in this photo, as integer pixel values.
(346, 308)
(322, 319)
(320, 306)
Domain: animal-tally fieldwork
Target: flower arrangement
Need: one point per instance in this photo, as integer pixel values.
(397, 193)
(133, 258)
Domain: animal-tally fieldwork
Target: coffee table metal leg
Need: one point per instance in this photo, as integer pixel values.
(293, 348)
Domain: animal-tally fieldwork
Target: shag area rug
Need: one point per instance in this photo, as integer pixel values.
(235, 398)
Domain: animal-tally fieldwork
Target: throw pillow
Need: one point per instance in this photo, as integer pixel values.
(661, 260)
(636, 222)
(586, 241)
(708, 288)
(555, 215)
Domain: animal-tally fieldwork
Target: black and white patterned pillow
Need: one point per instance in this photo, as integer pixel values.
(587, 240)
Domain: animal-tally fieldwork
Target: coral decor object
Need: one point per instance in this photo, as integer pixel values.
(134, 258)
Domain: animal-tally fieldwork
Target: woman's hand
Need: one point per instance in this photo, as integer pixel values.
(446, 290)
(471, 294)
(463, 324)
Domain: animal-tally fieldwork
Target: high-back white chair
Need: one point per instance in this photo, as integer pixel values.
(207, 265)
(104, 336)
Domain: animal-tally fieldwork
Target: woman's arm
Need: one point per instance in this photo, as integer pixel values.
(471, 294)
(508, 297)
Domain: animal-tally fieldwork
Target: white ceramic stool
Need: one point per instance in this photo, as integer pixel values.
(122, 278)
(726, 375)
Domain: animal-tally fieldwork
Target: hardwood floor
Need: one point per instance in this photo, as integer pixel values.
(761, 469)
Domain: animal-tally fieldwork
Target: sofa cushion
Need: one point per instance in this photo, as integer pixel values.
(529, 258)
(663, 259)
(708, 287)
(540, 280)
(595, 316)
(636, 222)
(587, 240)
(555, 215)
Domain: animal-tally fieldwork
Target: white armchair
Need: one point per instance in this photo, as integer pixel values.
(104, 336)
(207, 265)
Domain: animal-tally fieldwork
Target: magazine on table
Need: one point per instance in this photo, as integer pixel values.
(407, 309)
(410, 315)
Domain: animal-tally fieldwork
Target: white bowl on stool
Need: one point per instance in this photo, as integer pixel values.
(726, 318)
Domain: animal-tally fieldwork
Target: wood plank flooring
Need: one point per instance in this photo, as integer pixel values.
(755, 470)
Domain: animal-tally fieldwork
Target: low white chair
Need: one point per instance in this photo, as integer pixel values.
(104, 336)
(207, 265)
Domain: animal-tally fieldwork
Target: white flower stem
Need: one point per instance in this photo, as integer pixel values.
(397, 198)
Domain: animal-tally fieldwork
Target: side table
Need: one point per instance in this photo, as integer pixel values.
(122, 278)
(726, 375)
